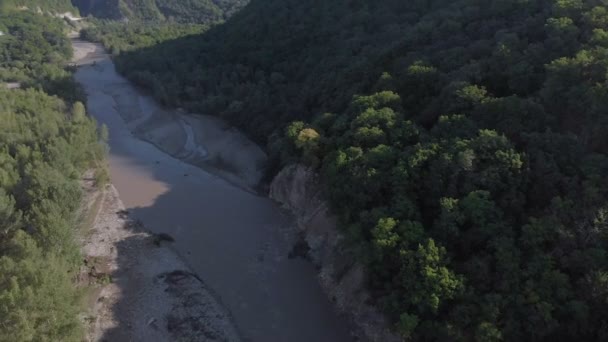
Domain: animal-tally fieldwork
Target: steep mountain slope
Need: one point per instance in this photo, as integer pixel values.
(308, 53)
(464, 149)
(191, 11)
(329, 51)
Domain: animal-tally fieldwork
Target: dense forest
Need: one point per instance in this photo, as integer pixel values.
(46, 143)
(177, 11)
(36, 56)
(462, 144)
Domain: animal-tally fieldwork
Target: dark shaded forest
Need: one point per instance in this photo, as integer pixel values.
(462, 144)
(46, 143)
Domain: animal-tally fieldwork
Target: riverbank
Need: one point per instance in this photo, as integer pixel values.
(139, 288)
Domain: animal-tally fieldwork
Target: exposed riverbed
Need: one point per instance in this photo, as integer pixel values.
(188, 176)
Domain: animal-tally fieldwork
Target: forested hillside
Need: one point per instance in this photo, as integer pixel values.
(46, 142)
(462, 144)
(35, 56)
(190, 11)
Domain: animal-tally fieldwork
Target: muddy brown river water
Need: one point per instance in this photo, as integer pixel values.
(237, 242)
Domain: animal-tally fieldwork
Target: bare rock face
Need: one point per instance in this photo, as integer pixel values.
(297, 188)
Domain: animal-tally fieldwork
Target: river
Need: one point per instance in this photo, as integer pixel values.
(236, 241)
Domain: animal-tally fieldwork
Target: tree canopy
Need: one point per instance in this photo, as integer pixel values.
(46, 142)
(462, 144)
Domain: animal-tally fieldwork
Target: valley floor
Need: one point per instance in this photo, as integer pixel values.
(191, 177)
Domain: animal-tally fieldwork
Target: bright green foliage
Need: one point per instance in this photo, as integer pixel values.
(479, 204)
(43, 150)
(46, 142)
(460, 225)
(34, 51)
(38, 301)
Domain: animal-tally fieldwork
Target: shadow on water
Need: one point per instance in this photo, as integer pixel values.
(236, 242)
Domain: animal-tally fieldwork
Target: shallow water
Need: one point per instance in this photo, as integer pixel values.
(237, 242)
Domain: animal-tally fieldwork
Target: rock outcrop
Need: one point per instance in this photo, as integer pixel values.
(298, 189)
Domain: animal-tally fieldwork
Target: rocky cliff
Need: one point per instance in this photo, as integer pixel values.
(298, 189)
